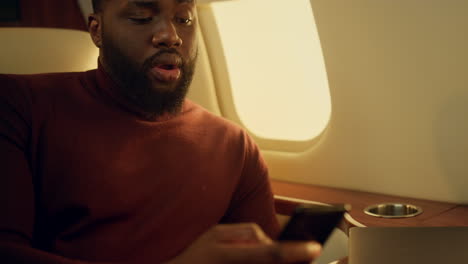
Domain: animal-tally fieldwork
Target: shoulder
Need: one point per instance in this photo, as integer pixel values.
(41, 77)
(35, 81)
(15, 92)
(34, 94)
(223, 131)
(40, 88)
(214, 123)
(200, 116)
(36, 84)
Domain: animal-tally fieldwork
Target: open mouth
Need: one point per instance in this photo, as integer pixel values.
(167, 66)
(166, 72)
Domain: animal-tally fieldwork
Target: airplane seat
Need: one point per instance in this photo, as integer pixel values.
(41, 50)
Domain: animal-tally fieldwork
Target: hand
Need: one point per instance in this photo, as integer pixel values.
(244, 244)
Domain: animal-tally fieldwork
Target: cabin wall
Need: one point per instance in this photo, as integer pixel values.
(399, 95)
(399, 88)
(399, 91)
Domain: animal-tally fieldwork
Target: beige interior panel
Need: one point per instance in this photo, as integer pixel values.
(398, 83)
(397, 73)
(202, 89)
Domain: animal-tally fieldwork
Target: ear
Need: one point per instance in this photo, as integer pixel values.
(95, 29)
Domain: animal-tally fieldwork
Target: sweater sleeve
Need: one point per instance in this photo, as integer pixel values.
(16, 184)
(253, 199)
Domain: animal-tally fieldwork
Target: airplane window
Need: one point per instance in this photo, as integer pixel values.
(276, 67)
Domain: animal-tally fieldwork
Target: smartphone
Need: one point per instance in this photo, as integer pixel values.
(313, 222)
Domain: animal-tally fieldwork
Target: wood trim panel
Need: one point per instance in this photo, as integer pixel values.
(457, 216)
(435, 213)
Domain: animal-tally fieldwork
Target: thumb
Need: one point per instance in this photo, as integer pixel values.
(299, 251)
(241, 233)
(287, 252)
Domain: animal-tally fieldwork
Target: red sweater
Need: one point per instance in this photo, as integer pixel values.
(82, 177)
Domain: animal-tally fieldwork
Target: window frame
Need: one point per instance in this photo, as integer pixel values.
(223, 88)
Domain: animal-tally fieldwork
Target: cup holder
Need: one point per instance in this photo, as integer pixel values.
(393, 210)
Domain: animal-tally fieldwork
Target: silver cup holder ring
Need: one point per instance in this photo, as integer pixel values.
(393, 210)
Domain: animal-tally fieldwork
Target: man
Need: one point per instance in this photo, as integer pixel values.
(115, 166)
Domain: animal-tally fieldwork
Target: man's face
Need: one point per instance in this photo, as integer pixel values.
(149, 48)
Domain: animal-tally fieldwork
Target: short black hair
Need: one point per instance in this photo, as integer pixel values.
(97, 5)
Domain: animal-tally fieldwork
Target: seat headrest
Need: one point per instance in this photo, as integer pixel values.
(41, 50)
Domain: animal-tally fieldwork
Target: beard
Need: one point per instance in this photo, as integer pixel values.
(138, 89)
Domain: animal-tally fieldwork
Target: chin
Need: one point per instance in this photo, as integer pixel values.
(163, 87)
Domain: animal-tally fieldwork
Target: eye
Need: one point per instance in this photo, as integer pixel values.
(184, 21)
(143, 20)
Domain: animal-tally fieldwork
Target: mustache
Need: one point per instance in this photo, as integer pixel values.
(148, 63)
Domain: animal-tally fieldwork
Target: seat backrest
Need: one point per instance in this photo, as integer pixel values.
(41, 50)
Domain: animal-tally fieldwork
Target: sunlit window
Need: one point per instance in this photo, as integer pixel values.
(276, 67)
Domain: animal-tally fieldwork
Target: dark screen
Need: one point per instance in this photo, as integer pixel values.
(312, 222)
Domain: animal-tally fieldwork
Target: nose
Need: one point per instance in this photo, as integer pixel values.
(166, 36)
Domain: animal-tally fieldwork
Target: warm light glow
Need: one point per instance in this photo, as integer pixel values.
(276, 67)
